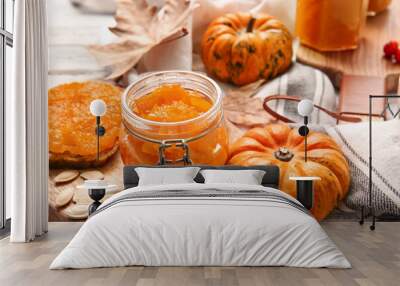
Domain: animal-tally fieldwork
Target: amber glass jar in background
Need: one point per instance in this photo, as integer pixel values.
(137, 133)
(330, 25)
(377, 6)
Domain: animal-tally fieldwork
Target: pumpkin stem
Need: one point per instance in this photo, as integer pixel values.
(283, 154)
(250, 25)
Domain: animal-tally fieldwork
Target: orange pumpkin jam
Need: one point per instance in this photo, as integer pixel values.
(377, 6)
(171, 103)
(330, 25)
(176, 106)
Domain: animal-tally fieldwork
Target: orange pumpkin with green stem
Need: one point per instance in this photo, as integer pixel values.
(278, 144)
(241, 49)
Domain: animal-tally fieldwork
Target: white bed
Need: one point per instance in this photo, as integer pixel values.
(203, 225)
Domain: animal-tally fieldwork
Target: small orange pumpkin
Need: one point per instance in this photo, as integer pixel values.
(278, 144)
(241, 49)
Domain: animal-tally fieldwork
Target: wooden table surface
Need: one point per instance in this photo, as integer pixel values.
(70, 32)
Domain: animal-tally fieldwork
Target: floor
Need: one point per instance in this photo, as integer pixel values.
(375, 257)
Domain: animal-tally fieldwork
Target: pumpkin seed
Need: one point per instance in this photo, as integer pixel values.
(77, 211)
(92, 175)
(66, 176)
(64, 198)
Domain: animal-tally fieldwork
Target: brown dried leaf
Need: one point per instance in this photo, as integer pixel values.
(140, 28)
(244, 111)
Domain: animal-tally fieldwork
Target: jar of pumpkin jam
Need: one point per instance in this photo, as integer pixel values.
(165, 114)
(330, 25)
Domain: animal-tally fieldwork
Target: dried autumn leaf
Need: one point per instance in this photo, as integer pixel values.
(244, 111)
(141, 27)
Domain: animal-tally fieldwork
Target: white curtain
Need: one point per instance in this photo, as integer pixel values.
(26, 123)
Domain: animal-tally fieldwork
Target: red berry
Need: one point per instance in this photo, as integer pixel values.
(391, 49)
(397, 56)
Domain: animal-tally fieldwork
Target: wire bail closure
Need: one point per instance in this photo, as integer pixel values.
(182, 143)
(174, 143)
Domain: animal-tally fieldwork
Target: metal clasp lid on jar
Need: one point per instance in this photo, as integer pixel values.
(141, 128)
(180, 143)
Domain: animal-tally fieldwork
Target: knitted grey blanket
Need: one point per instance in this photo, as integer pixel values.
(354, 140)
(307, 83)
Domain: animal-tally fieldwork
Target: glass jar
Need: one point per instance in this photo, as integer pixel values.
(330, 25)
(377, 6)
(205, 137)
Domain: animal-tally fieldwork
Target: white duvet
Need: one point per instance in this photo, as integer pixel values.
(188, 231)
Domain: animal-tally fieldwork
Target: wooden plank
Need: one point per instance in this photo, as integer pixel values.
(72, 60)
(375, 258)
(62, 14)
(79, 35)
(70, 32)
(56, 79)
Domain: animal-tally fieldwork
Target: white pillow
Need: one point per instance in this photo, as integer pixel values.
(166, 176)
(248, 177)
